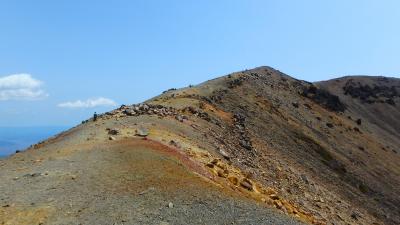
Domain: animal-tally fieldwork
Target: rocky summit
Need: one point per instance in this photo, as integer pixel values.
(252, 147)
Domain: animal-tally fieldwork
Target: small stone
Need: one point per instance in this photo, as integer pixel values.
(174, 143)
(179, 118)
(215, 161)
(111, 138)
(234, 180)
(245, 144)
(269, 191)
(142, 132)
(274, 197)
(130, 112)
(32, 175)
(113, 131)
(170, 205)
(146, 107)
(355, 216)
(278, 204)
(224, 154)
(329, 125)
(247, 184)
(222, 174)
(305, 179)
(210, 165)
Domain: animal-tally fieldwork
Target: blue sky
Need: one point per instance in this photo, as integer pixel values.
(74, 52)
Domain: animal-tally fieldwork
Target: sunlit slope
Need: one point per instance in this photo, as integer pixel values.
(253, 147)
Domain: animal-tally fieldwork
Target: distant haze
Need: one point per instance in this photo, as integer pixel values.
(20, 138)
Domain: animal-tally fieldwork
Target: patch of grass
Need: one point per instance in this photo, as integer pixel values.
(363, 188)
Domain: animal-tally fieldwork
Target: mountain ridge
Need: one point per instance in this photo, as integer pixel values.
(305, 149)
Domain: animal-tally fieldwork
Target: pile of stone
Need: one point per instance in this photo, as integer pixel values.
(218, 95)
(162, 111)
(240, 127)
(159, 110)
(197, 113)
(148, 109)
(236, 82)
(169, 90)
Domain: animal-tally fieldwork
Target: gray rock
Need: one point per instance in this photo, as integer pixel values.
(245, 144)
(305, 179)
(32, 175)
(175, 144)
(224, 153)
(129, 112)
(179, 118)
(142, 132)
(144, 107)
(114, 131)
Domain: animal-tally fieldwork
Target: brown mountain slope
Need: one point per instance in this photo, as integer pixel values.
(375, 100)
(82, 177)
(225, 151)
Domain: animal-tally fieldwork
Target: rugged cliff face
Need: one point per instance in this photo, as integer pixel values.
(253, 147)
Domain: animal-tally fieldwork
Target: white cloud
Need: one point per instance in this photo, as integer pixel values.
(21, 87)
(89, 103)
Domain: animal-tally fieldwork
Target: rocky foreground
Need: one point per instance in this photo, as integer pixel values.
(253, 147)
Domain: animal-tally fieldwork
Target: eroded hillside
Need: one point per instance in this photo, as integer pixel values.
(253, 147)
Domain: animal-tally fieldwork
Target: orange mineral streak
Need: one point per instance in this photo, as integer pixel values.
(169, 168)
(226, 116)
(175, 153)
(146, 164)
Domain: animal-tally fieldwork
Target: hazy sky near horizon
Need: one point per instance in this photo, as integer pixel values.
(62, 60)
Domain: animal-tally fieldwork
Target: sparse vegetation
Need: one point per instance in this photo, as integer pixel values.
(368, 94)
(324, 98)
